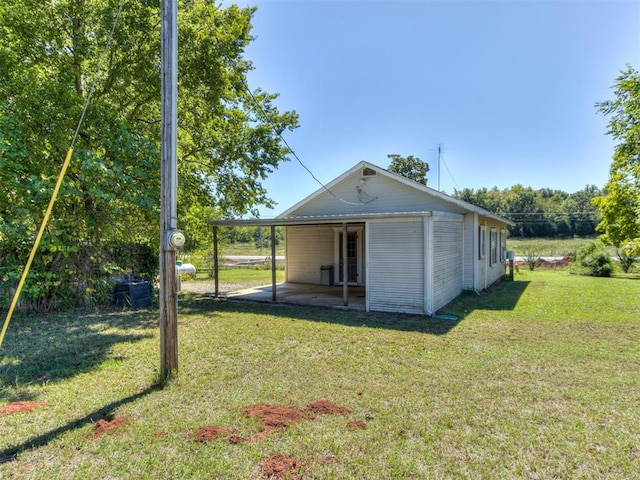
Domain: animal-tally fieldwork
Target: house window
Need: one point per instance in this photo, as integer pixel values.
(503, 244)
(482, 242)
(493, 247)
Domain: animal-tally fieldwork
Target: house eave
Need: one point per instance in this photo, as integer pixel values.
(314, 219)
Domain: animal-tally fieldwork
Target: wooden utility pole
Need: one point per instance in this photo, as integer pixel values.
(170, 238)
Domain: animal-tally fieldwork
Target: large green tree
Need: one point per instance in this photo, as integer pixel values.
(50, 56)
(620, 204)
(410, 167)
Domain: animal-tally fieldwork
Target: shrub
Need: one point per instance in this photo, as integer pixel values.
(591, 259)
(626, 261)
(532, 257)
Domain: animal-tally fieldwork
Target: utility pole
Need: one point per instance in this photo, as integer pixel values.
(171, 239)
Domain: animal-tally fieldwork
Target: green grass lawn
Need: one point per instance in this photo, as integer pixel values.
(538, 379)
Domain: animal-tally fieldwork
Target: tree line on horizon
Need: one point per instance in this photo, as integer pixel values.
(537, 213)
(542, 212)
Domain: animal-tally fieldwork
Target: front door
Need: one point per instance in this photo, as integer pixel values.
(352, 258)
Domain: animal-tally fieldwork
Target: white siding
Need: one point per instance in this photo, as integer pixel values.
(308, 248)
(489, 274)
(470, 239)
(447, 260)
(379, 194)
(395, 281)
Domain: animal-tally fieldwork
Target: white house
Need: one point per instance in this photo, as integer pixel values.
(412, 248)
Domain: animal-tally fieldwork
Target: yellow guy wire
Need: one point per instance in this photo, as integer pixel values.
(36, 244)
(67, 160)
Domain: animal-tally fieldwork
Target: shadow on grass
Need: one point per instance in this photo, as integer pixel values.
(206, 305)
(39, 349)
(105, 412)
(501, 297)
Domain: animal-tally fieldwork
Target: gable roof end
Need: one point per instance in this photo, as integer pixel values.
(290, 212)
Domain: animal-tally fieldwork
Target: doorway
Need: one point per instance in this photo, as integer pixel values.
(354, 257)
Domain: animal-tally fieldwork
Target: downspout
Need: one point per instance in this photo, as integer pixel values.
(428, 265)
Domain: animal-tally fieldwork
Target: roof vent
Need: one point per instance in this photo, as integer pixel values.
(369, 172)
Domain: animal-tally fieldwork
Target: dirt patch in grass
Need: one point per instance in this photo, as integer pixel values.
(22, 406)
(210, 432)
(274, 416)
(356, 425)
(327, 408)
(271, 417)
(103, 426)
(279, 466)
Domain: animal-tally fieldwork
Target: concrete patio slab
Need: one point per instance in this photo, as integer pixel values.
(304, 294)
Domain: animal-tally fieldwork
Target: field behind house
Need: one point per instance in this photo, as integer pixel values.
(546, 247)
(540, 378)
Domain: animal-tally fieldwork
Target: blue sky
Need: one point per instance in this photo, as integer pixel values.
(507, 87)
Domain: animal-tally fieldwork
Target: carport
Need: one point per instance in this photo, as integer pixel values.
(292, 293)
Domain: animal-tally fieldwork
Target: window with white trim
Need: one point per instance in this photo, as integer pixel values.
(493, 247)
(482, 242)
(503, 244)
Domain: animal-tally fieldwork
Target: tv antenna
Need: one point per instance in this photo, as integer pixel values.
(440, 162)
(439, 150)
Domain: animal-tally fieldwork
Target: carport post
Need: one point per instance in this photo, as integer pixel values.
(345, 267)
(273, 263)
(216, 267)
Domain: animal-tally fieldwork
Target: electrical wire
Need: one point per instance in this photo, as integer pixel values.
(447, 167)
(266, 118)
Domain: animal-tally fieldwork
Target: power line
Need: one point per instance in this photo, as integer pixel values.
(266, 118)
(447, 167)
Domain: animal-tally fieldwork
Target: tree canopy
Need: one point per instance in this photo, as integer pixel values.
(50, 55)
(410, 167)
(620, 204)
(539, 213)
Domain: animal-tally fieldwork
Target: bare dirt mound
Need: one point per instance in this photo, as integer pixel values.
(356, 425)
(22, 406)
(279, 466)
(327, 408)
(210, 432)
(103, 426)
(273, 416)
